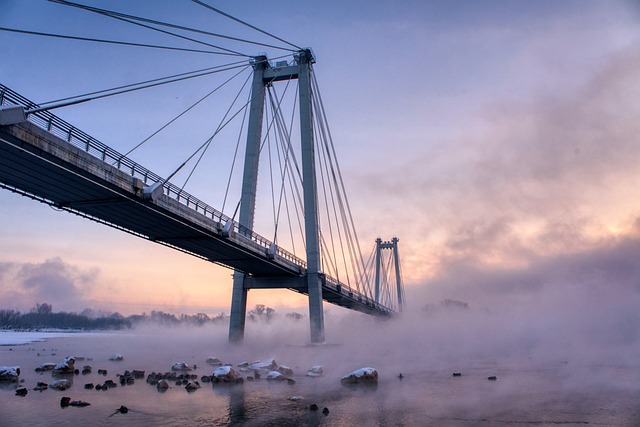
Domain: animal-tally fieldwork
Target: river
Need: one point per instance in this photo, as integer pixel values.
(532, 387)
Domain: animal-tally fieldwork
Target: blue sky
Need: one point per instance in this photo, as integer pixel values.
(492, 138)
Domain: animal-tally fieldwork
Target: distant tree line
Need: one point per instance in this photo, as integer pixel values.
(41, 316)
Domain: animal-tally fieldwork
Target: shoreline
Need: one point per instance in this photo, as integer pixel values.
(16, 337)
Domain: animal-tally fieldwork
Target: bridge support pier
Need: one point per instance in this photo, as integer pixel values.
(238, 314)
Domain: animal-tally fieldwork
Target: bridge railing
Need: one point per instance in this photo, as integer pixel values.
(84, 141)
(343, 288)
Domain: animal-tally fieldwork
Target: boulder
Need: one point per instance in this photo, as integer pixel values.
(60, 385)
(21, 392)
(66, 366)
(225, 374)
(362, 375)
(213, 361)
(275, 376)
(264, 367)
(46, 367)
(180, 366)
(315, 371)
(40, 386)
(162, 385)
(285, 370)
(9, 373)
(192, 386)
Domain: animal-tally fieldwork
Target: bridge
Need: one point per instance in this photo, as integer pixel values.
(51, 161)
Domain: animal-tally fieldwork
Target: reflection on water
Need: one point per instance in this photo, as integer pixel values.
(526, 391)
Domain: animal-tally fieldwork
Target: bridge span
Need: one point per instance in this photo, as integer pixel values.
(49, 160)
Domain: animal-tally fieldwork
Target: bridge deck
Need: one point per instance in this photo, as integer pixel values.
(39, 164)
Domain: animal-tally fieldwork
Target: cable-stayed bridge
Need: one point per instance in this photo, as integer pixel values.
(47, 159)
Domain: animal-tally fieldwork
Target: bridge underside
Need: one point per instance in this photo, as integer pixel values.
(36, 163)
(55, 173)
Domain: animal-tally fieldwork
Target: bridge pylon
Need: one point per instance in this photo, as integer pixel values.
(393, 246)
(263, 75)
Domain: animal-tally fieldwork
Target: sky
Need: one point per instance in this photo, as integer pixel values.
(497, 140)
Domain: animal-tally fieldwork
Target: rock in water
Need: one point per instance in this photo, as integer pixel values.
(180, 366)
(46, 367)
(192, 386)
(66, 366)
(162, 385)
(275, 376)
(9, 373)
(213, 361)
(225, 374)
(79, 403)
(362, 375)
(60, 385)
(117, 357)
(264, 367)
(316, 371)
(40, 386)
(285, 370)
(21, 392)
(64, 401)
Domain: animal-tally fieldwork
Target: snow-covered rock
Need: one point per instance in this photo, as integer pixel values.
(295, 398)
(225, 374)
(162, 384)
(275, 376)
(285, 370)
(315, 371)
(9, 373)
(264, 367)
(65, 366)
(60, 385)
(116, 357)
(362, 375)
(213, 361)
(180, 366)
(46, 367)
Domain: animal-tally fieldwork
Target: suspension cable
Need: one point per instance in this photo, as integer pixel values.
(117, 42)
(184, 112)
(205, 143)
(217, 130)
(340, 181)
(235, 155)
(175, 26)
(129, 88)
(132, 20)
(244, 23)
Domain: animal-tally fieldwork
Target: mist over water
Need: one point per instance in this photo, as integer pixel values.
(565, 355)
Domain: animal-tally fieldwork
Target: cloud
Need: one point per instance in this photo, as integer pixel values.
(547, 174)
(54, 281)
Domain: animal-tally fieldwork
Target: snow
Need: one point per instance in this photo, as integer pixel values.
(24, 337)
(222, 371)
